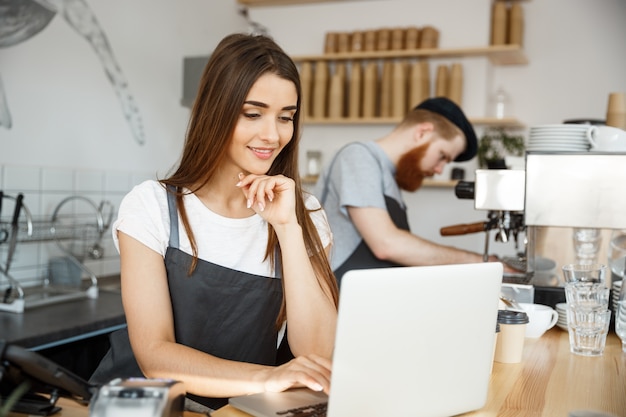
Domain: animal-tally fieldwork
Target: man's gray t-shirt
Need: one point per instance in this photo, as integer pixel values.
(360, 175)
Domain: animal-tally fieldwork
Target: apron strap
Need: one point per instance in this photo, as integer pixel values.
(171, 204)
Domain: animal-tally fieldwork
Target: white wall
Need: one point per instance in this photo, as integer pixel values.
(576, 58)
(65, 113)
(64, 110)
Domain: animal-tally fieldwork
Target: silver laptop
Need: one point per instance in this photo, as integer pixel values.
(411, 341)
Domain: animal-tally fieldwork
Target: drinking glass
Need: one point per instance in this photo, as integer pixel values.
(587, 331)
(586, 245)
(584, 273)
(620, 316)
(617, 254)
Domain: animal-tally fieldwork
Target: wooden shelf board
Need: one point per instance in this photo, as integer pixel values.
(428, 182)
(486, 121)
(278, 2)
(498, 54)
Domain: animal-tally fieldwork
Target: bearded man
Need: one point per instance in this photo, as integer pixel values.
(360, 190)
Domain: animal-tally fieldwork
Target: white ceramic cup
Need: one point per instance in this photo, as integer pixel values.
(541, 318)
(607, 138)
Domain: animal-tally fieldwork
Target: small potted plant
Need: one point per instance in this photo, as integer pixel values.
(495, 144)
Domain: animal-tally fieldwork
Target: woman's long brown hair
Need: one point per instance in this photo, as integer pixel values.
(235, 65)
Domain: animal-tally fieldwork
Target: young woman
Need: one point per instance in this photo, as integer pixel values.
(221, 256)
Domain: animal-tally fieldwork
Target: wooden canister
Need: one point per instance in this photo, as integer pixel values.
(412, 38)
(306, 80)
(399, 89)
(397, 39)
(343, 42)
(336, 92)
(429, 37)
(498, 23)
(355, 91)
(455, 84)
(383, 39)
(417, 92)
(419, 84)
(357, 41)
(370, 89)
(386, 89)
(330, 43)
(320, 90)
(616, 110)
(516, 24)
(441, 83)
(370, 39)
(426, 78)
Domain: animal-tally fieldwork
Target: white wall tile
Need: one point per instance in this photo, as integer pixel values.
(91, 181)
(117, 181)
(22, 178)
(57, 179)
(75, 195)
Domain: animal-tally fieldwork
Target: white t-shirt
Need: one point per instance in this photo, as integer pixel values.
(238, 244)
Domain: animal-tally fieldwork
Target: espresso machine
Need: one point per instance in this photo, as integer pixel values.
(555, 190)
(500, 193)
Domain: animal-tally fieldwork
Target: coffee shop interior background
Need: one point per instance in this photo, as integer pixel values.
(84, 120)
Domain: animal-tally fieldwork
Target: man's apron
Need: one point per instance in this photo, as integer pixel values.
(226, 313)
(363, 257)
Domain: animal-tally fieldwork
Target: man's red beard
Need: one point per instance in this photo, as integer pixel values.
(409, 175)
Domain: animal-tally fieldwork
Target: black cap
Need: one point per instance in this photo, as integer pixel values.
(448, 109)
(512, 317)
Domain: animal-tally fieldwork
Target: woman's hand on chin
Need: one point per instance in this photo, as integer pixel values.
(271, 197)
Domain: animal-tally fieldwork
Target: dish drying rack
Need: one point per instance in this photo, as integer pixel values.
(77, 233)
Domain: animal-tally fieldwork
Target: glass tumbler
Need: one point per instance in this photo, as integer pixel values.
(620, 317)
(586, 245)
(617, 254)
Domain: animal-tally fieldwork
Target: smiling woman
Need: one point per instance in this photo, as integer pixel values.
(265, 125)
(225, 276)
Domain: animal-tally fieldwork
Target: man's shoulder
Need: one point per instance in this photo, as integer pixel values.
(358, 150)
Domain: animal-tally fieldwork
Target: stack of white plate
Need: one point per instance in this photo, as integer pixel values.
(615, 289)
(561, 308)
(558, 138)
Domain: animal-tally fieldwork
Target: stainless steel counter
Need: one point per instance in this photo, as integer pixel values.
(62, 323)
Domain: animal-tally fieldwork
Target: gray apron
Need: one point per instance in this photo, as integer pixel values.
(226, 313)
(363, 257)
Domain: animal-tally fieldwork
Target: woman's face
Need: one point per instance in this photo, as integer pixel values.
(265, 124)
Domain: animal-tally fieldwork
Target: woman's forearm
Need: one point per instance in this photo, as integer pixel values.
(311, 313)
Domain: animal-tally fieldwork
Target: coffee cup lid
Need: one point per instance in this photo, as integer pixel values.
(512, 317)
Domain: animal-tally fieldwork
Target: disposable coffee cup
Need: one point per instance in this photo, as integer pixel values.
(510, 343)
(495, 344)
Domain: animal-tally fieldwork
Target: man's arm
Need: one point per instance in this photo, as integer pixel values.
(389, 243)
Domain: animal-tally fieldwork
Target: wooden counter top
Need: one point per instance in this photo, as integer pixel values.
(549, 382)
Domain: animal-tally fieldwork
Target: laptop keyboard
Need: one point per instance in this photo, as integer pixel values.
(315, 410)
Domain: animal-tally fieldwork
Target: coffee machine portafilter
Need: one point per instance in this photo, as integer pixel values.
(501, 194)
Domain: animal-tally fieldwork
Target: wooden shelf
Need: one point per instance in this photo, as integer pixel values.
(484, 121)
(431, 183)
(428, 182)
(498, 54)
(278, 2)
(292, 2)
(309, 179)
